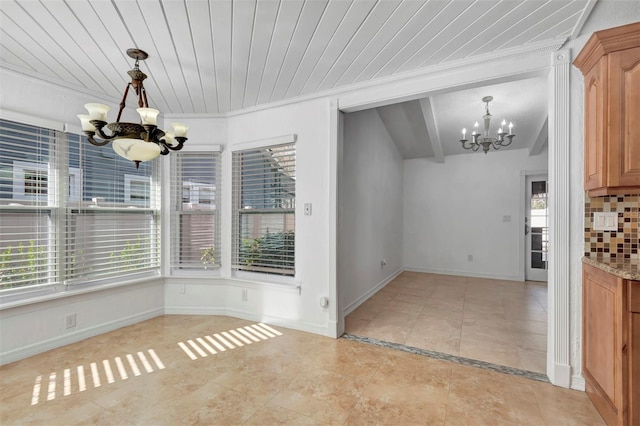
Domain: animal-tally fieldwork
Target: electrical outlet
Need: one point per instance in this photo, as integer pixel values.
(244, 297)
(70, 321)
(469, 258)
(383, 263)
(605, 221)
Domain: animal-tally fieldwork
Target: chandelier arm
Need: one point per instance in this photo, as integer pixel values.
(179, 146)
(92, 141)
(163, 148)
(123, 101)
(475, 147)
(143, 97)
(510, 140)
(464, 144)
(99, 125)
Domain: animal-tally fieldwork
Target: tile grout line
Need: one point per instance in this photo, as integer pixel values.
(452, 358)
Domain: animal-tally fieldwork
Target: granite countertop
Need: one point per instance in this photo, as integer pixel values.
(628, 269)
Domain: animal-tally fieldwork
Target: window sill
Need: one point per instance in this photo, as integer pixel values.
(242, 277)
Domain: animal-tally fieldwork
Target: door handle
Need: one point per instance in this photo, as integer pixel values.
(526, 229)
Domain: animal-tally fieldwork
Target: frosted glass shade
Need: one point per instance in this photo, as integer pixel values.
(148, 115)
(86, 123)
(136, 149)
(169, 138)
(97, 111)
(180, 129)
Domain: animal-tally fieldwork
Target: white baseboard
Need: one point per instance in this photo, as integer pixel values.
(250, 316)
(56, 342)
(516, 277)
(352, 306)
(578, 383)
(559, 374)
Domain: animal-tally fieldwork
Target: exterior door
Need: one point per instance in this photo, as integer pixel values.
(536, 228)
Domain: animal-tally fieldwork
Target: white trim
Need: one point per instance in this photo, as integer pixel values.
(359, 301)
(457, 78)
(261, 143)
(336, 311)
(31, 120)
(509, 56)
(586, 12)
(250, 316)
(559, 322)
(201, 148)
(56, 342)
(578, 383)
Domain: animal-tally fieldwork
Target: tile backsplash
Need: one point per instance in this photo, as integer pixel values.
(622, 243)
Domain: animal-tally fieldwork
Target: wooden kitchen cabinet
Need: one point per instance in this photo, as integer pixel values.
(611, 345)
(610, 63)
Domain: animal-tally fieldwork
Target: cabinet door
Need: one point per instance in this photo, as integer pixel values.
(604, 353)
(624, 118)
(595, 91)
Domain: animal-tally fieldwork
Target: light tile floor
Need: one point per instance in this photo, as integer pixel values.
(501, 322)
(282, 377)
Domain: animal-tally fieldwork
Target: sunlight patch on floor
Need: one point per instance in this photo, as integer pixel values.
(230, 339)
(76, 383)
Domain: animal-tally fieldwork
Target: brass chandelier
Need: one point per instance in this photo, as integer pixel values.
(485, 141)
(133, 141)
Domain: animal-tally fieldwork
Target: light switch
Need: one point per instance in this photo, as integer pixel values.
(307, 209)
(605, 221)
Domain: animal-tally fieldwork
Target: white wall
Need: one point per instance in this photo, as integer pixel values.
(455, 209)
(279, 303)
(370, 208)
(37, 327)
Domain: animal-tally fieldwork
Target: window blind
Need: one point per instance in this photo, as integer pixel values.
(264, 194)
(195, 222)
(112, 223)
(28, 206)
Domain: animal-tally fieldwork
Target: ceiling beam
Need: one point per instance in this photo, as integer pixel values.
(541, 140)
(432, 129)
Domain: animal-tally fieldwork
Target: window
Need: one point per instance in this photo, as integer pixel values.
(27, 207)
(195, 222)
(113, 229)
(264, 195)
(65, 213)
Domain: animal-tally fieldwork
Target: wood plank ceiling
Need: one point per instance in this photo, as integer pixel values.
(222, 55)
